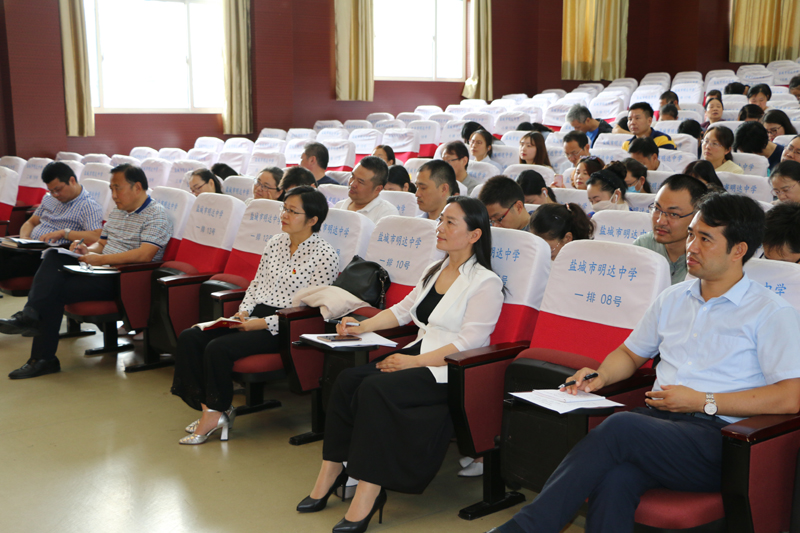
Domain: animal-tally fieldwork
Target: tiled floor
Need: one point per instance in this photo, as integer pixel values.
(95, 449)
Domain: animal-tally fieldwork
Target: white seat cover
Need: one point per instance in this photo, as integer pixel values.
(17, 164)
(458, 110)
(606, 106)
(260, 160)
(535, 113)
(207, 157)
(322, 124)
(676, 159)
(9, 186)
(689, 92)
(481, 171)
(366, 139)
(98, 191)
(574, 196)
(269, 144)
(647, 93)
(685, 142)
(556, 114)
(516, 97)
(756, 187)
(341, 177)
(427, 110)
(274, 133)
(332, 134)
(334, 193)
(401, 140)
(605, 282)
(119, 159)
(97, 171)
(238, 144)
(719, 83)
(509, 120)
(238, 161)
(171, 154)
(670, 127)
(300, 133)
(640, 201)
(611, 140)
(76, 166)
(474, 102)
(214, 220)
(407, 117)
(733, 101)
(374, 118)
(157, 171)
(405, 247)
(210, 144)
(405, 202)
(143, 152)
(513, 172)
(383, 125)
(512, 138)
(780, 277)
(32, 173)
(688, 114)
(178, 205)
(348, 232)
(294, 150)
(240, 187)
(441, 119)
(608, 154)
(428, 131)
(261, 222)
(413, 164)
(621, 226)
(656, 177)
(352, 125)
(522, 261)
(452, 131)
(505, 155)
(178, 171)
(68, 156)
(341, 155)
(752, 164)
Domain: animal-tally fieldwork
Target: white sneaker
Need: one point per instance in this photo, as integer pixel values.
(473, 470)
(465, 461)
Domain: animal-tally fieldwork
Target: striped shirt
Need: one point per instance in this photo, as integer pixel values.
(81, 213)
(126, 231)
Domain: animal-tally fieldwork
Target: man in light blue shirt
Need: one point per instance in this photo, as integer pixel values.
(728, 351)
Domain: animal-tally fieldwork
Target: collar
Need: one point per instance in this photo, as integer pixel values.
(367, 208)
(81, 194)
(143, 206)
(734, 295)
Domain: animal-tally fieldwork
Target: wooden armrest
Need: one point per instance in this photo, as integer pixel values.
(4, 222)
(762, 427)
(229, 296)
(184, 279)
(643, 377)
(399, 331)
(295, 313)
(488, 354)
(138, 267)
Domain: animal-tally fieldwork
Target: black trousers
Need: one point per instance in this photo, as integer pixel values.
(53, 288)
(204, 363)
(619, 461)
(15, 264)
(393, 429)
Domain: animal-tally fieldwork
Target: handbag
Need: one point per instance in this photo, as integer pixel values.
(366, 280)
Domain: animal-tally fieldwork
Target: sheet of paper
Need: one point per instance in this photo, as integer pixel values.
(64, 251)
(563, 396)
(563, 407)
(367, 339)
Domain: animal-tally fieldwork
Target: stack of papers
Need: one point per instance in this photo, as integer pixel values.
(564, 402)
(367, 339)
(17, 242)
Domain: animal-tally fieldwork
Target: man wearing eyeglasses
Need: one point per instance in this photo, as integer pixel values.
(456, 155)
(67, 214)
(671, 214)
(576, 147)
(505, 202)
(792, 150)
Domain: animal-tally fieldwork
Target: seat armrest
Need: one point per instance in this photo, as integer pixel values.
(229, 296)
(296, 313)
(184, 279)
(762, 427)
(138, 267)
(399, 331)
(488, 354)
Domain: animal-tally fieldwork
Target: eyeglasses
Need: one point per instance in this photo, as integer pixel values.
(783, 190)
(668, 216)
(775, 131)
(57, 190)
(712, 144)
(291, 211)
(196, 188)
(498, 221)
(260, 185)
(573, 154)
(790, 151)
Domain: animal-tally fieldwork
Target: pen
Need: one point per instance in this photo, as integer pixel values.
(334, 321)
(587, 377)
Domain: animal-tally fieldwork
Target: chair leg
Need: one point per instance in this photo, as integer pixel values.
(254, 397)
(317, 421)
(495, 497)
(111, 342)
(74, 330)
(152, 359)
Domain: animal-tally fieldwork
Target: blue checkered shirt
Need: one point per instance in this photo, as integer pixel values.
(81, 213)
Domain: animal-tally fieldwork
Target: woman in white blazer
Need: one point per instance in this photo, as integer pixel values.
(389, 419)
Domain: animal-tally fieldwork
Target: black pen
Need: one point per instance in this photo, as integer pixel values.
(587, 377)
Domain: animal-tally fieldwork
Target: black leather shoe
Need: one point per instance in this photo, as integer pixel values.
(346, 526)
(19, 324)
(310, 505)
(35, 368)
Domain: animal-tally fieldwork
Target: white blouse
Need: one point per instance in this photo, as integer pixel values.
(280, 274)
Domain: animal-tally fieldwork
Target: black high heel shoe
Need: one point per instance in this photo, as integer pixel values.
(310, 505)
(346, 526)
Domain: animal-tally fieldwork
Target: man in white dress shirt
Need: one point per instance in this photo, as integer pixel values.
(368, 180)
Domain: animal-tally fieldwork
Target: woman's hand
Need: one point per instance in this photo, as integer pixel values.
(241, 315)
(342, 328)
(254, 324)
(396, 362)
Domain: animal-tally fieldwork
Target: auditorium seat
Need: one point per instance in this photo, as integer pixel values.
(512, 138)
(31, 187)
(352, 125)
(429, 133)
(513, 172)
(172, 154)
(365, 139)
(273, 133)
(508, 121)
(452, 131)
(341, 155)
(555, 115)
(332, 134)
(99, 191)
(76, 166)
(535, 112)
(689, 91)
(404, 142)
(753, 164)
(96, 158)
(611, 140)
(240, 187)
(383, 125)
(458, 110)
(484, 119)
(97, 171)
(119, 159)
(481, 171)
(412, 165)
(621, 226)
(156, 170)
(322, 124)
(405, 202)
(17, 164)
(640, 201)
(260, 160)
(342, 178)
(178, 171)
(143, 152)
(294, 150)
(407, 117)
(300, 133)
(427, 110)
(68, 156)
(577, 196)
(9, 186)
(269, 144)
(210, 144)
(608, 154)
(374, 118)
(207, 157)
(676, 159)
(505, 155)
(334, 193)
(441, 119)
(238, 161)
(756, 187)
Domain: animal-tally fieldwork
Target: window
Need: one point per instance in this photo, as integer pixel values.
(420, 39)
(160, 56)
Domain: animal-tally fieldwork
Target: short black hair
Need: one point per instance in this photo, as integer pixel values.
(691, 127)
(623, 123)
(714, 93)
(319, 151)
(442, 173)
(314, 204)
(57, 171)
(777, 116)
(638, 171)
(669, 109)
(524, 126)
(468, 129)
(554, 221)
(297, 176)
(400, 177)
(741, 216)
(133, 175)
(457, 148)
(794, 83)
(644, 106)
(389, 151)
(750, 138)
(735, 88)
(782, 227)
(786, 169)
(501, 190)
(541, 128)
(684, 182)
(208, 176)
(577, 136)
(379, 169)
(643, 145)
(670, 96)
(223, 171)
(609, 181)
(532, 184)
(704, 170)
(761, 88)
(750, 111)
(276, 172)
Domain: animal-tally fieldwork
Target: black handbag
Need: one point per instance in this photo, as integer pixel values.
(366, 280)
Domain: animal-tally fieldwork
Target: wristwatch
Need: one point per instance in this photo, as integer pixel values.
(710, 408)
(66, 233)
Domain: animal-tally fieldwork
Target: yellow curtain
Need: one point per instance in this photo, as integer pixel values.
(77, 87)
(479, 85)
(354, 52)
(764, 30)
(594, 44)
(238, 115)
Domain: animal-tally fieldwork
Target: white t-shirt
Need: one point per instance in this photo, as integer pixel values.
(375, 210)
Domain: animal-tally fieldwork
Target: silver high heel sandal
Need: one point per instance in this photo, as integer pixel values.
(196, 438)
(231, 412)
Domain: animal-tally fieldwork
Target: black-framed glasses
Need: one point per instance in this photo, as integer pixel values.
(498, 221)
(291, 211)
(669, 216)
(260, 185)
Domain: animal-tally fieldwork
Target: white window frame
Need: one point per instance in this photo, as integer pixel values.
(101, 110)
(433, 51)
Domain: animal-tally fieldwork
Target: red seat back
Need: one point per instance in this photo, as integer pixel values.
(210, 231)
